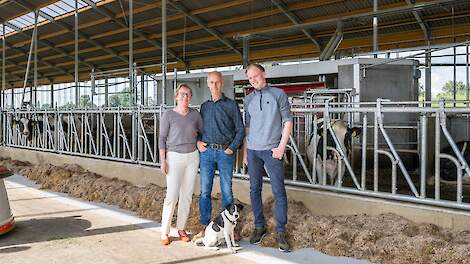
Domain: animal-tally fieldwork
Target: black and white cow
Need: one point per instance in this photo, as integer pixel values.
(344, 135)
(26, 125)
(448, 170)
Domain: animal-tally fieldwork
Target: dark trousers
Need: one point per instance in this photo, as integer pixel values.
(257, 161)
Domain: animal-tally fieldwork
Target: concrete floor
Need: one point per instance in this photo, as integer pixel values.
(54, 228)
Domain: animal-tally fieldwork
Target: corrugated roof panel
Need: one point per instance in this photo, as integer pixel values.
(56, 9)
(190, 4)
(250, 9)
(449, 22)
(63, 7)
(25, 20)
(201, 45)
(446, 8)
(7, 30)
(402, 28)
(396, 18)
(260, 23)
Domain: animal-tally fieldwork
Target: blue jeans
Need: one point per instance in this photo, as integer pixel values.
(209, 159)
(257, 161)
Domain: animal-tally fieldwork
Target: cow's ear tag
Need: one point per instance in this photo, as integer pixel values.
(354, 133)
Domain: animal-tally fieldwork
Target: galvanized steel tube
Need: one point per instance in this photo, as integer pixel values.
(393, 162)
(423, 154)
(33, 97)
(164, 50)
(376, 152)
(458, 168)
(437, 159)
(314, 154)
(3, 67)
(375, 25)
(325, 141)
(364, 152)
(131, 51)
(77, 87)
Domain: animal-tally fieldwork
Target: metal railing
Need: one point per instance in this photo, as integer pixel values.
(131, 135)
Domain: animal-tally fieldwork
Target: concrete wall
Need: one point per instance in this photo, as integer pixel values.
(319, 202)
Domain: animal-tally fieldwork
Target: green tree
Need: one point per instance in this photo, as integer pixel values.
(85, 101)
(448, 91)
(68, 105)
(448, 87)
(46, 106)
(120, 99)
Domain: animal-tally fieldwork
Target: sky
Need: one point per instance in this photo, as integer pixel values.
(439, 74)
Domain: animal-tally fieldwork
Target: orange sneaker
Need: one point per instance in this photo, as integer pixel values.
(183, 236)
(165, 241)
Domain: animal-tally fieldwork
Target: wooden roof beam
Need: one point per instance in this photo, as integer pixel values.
(154, 22)
(415, 36)
(211, 38)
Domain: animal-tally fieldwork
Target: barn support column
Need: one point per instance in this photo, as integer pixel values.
(93, 84)
(106, 92)
(143, 91)
(467, 74)
(31, 50)
(77, 86)
(427, 75)
(454, 86)
(131, 53)
(3, 67)
(375, 29)
(164, 66)
(52, 95)
(246, 51)
(34, 99)
(34, 95)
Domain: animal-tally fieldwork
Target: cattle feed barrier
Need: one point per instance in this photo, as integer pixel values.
(131, 135)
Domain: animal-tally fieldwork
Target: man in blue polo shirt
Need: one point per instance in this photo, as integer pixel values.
(222, 135)
(268, 122)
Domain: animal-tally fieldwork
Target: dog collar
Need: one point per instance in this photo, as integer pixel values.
(233, 222)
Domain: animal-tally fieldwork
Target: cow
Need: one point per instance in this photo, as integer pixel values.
(344, 134)
(83, 132)
(26, 125)
(448, 170)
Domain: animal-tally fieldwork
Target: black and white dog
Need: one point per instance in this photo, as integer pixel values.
(220, 228)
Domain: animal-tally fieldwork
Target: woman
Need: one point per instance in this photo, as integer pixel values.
(179, 160)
